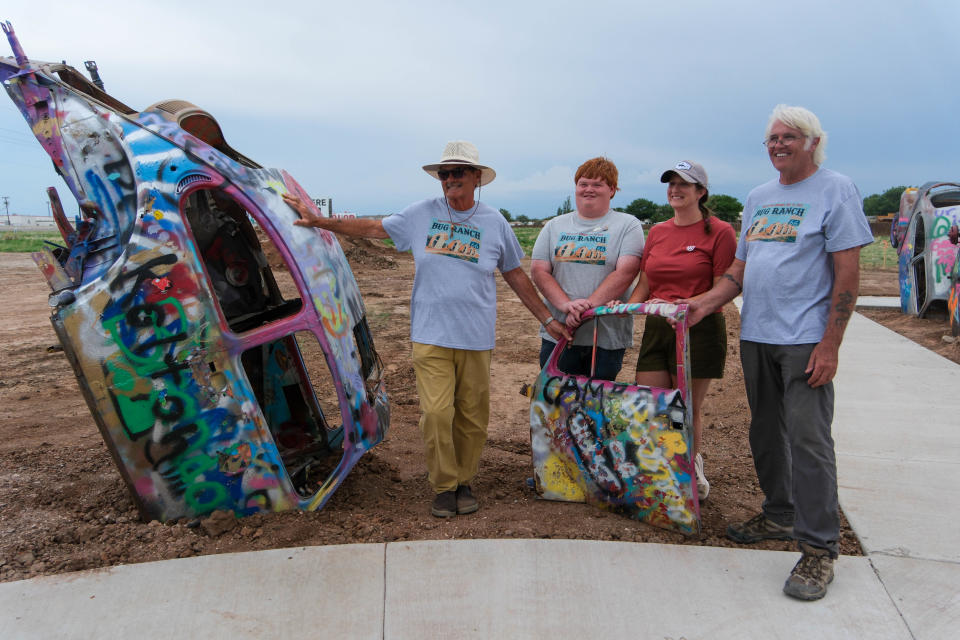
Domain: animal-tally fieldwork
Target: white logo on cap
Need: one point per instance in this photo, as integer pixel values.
(683, 164)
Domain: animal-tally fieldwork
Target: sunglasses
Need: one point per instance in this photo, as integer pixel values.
(443, 174)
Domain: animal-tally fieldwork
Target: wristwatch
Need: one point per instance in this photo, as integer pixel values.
(548, 321)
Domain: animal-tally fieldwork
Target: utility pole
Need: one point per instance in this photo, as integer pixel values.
(6, 203)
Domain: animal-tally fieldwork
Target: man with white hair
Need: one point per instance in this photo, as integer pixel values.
(457, 243)
(797, 264)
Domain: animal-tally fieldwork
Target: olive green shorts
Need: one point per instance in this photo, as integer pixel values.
(707, 346)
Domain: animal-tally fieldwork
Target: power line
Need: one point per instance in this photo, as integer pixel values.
(18, 143)
(9, 130)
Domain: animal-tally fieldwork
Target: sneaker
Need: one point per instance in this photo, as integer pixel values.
(445, 505)
(466, 503)
(809, 579)
(758, 528)
(703, 487)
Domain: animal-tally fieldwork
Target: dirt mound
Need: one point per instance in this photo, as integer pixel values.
(368, 253)
(359, 251)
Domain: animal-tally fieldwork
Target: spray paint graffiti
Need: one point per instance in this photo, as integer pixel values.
(619, 446)
(953, 301)
(926, 258)
(190, 356)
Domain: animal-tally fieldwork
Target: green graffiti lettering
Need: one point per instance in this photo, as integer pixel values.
(204, 497)
(941, 227)
(193, 466)
(136, 414)
(150, 359)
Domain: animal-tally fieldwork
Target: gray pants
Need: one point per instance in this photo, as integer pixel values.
(791, 441)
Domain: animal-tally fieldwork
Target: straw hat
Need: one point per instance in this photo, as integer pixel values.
(461, 152)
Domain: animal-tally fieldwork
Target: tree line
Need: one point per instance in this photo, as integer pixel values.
(881, 204)
(724, 207)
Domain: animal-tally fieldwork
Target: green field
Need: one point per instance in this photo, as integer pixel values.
(527, 236)
(879, 255)
(26, 241)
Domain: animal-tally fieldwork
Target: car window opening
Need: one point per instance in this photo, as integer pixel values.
(298, 398)
(235, 260)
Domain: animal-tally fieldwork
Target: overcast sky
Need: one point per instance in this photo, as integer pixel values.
(353, 97)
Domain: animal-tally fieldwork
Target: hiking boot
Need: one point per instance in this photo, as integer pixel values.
(703, 487)
(466, 503)
(811, 575)
(758, 528)
(445, 505)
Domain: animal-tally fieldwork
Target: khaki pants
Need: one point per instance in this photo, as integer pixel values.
(454, 389)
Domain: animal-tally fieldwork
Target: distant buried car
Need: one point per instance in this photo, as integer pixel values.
(927, 259)
(223, 352)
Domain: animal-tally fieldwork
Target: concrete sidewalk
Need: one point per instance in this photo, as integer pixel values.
(460, 589)
(897, 446)
(878, 302)
(898, 454)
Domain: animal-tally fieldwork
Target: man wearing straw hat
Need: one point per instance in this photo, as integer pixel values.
(457, 244)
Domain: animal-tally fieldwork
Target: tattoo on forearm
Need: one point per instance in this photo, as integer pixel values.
(734, 281)
(843, 308)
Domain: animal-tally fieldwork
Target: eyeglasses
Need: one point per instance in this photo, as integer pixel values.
(786, 140)
(443, 174)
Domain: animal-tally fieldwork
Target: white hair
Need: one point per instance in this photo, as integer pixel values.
(804, 120)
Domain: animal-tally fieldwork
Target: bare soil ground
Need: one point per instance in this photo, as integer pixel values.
(63, 506)
(933, 332)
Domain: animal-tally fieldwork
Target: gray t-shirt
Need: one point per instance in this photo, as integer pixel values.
(788, 234)
(454, 299)
(582, 252)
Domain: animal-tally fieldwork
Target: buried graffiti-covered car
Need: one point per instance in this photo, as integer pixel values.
(223, 352)
(618, 446)
(927, 260)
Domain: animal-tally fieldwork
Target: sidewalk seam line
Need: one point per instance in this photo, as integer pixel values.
(892, 600)
(383, 618)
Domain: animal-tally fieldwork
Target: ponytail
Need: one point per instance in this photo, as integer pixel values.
(705, 211)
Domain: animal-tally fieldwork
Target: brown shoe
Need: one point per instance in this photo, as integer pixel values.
(445, 505)
(758, 528)
(811, 575)
(466, 503)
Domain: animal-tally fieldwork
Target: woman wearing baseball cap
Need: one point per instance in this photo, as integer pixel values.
(683, 258)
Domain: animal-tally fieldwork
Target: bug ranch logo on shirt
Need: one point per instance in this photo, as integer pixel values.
(776, 222)
(583, 248)
(461, 241)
